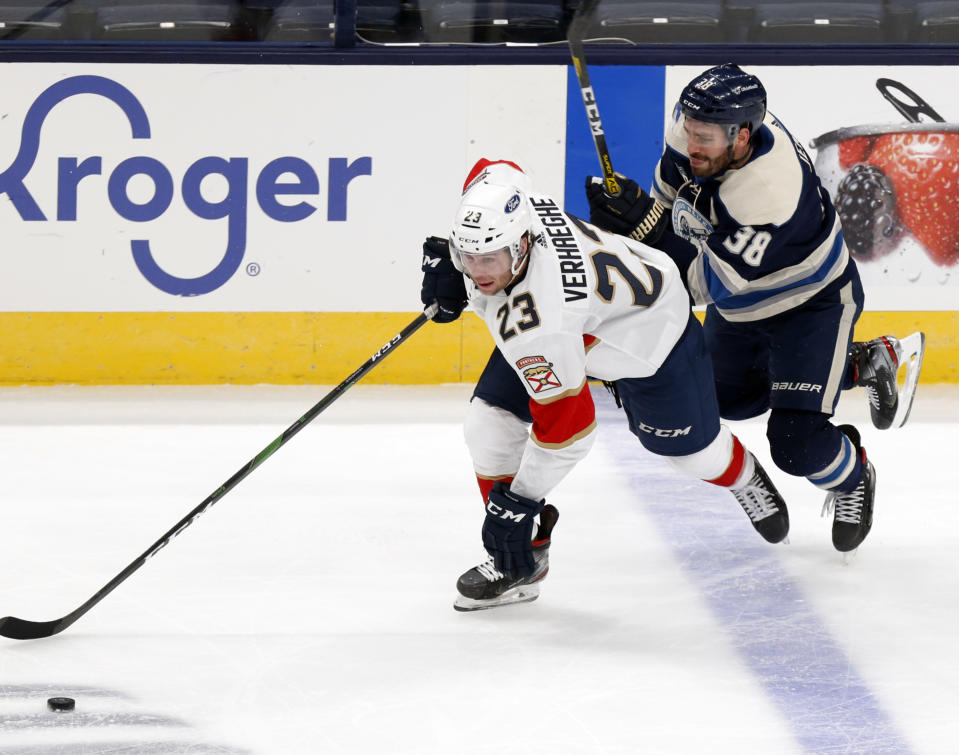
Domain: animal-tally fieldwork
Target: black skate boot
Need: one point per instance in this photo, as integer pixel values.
(852, 517)
(484, 586)
(763, 505)
(876, 365)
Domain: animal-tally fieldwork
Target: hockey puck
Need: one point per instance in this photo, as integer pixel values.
(61, 703)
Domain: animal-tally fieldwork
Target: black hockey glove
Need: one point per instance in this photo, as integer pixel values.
(442, 282)
(508, 530)
(633, 213)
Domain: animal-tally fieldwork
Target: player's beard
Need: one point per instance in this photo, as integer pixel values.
(713, 165)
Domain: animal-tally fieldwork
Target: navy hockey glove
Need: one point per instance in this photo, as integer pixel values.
(633, 213)
(508, 530)
(442, 282)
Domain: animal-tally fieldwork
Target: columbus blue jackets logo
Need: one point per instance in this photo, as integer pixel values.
(689, 223)
(539, 373)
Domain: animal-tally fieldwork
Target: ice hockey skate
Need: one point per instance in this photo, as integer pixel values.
(485, 587)
(852, 512)
(877, 364)
(764, 506)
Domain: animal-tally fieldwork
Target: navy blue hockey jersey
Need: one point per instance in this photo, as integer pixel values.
(767, 234)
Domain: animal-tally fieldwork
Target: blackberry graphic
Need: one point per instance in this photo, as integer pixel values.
(866, 205)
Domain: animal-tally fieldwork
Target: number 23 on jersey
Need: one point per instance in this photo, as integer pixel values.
(608, 268)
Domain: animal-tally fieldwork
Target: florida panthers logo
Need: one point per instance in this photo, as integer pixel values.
(539, 373)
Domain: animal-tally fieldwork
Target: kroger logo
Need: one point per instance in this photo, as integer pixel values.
(235, 170)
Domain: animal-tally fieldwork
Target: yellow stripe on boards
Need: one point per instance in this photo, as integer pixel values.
(942, 338)
(196, 348)
(941, 363)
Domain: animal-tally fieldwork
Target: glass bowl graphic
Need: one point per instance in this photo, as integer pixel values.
(894, 180)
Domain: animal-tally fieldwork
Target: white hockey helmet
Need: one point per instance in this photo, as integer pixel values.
(492, 217)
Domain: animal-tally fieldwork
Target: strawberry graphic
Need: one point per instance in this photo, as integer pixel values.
(854, 150)
(924, 170)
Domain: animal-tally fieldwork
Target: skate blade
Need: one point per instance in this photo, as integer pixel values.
(521, 594)
(913, 348)
(849, 556)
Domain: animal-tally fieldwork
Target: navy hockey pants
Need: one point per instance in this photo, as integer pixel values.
(795, 364)
(795, 360)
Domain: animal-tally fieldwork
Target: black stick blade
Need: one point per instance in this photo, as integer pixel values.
(21, 629)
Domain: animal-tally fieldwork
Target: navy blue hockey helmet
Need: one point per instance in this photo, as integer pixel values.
(726, 95)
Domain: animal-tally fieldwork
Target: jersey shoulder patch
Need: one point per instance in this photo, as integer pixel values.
(538, 373)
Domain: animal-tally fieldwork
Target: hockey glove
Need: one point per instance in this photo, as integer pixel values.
(442, 282)
(633, 213)
(508, 530)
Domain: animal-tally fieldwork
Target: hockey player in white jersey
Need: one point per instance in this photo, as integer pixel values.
(564, 300)
(759, 241)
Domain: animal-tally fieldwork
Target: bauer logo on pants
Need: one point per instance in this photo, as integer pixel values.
(539, 373)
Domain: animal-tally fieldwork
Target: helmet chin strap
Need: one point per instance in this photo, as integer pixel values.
(518, 269)
(733, 163)
(732, 132)
(518, 265)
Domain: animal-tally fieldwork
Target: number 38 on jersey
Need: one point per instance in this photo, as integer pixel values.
(749, 243)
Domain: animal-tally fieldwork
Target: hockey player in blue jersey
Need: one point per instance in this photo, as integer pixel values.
(737, 204)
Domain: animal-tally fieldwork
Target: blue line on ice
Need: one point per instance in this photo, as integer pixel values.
(805, 672)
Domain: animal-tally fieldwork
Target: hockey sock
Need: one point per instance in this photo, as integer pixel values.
(486, 485)
(740, 469)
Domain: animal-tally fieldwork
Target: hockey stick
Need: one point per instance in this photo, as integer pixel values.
(21, 629)
(575, 34)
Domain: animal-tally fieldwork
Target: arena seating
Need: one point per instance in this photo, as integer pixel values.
(485, 22)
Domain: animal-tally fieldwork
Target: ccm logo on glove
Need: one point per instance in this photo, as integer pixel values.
(502, 513)
(508, 530)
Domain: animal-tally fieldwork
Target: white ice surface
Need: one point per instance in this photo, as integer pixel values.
(309, 611)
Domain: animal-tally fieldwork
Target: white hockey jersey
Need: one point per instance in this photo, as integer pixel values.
(589, 304)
